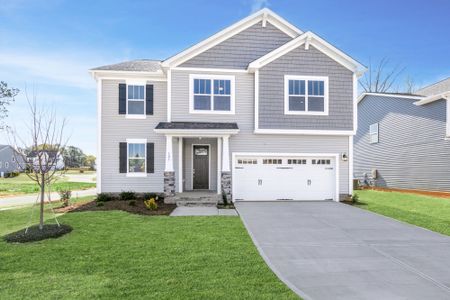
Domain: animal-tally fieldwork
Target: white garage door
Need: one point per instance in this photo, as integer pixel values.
(284, 178)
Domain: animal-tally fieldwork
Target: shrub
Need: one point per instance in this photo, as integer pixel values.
(65, 196)
(224, 198)
(100, 204)
(151, 204)
(81, 171)
(355, 198)
(155, 196)
(132, 203)
(104, 197)
(127, 195)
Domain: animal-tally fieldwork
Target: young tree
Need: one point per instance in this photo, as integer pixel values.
(6, 98)
(380, 79)
(45, 142)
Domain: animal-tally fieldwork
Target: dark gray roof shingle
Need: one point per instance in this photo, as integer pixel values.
(139, 65)
(196, 125)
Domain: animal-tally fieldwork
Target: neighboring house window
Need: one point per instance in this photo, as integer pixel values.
(1, 164)
(13, 159)
(305, 95)
(136, 99)
(136, 158)
(6, 165)
(373, 133)
(211, 94)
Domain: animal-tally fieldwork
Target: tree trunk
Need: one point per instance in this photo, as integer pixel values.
(41, 217)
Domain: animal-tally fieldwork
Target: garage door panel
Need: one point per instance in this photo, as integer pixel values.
(276, 178)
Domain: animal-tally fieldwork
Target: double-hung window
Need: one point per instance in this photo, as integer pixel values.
(211, 94)
(305, 95)
(136, 100)
(373, 133)
(136, 157)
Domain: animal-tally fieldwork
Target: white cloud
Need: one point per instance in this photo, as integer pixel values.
(259, 4)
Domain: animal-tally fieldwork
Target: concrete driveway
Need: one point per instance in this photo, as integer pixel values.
(328, 250)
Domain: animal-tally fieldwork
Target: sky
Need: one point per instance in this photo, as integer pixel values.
(48, 46)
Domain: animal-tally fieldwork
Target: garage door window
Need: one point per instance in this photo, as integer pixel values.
(296, 161)
(321, 161)
(272, 161)
(247, 161)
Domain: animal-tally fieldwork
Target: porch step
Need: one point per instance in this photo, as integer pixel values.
(196, 199)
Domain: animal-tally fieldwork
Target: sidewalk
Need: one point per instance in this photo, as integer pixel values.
(28, 199)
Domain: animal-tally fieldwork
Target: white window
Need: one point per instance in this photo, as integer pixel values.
(211, 94)
(136, 157)
(136, 100)
(305, 95)
(373, 133)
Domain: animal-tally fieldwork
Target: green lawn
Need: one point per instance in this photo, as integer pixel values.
(115, 254)
(24, 185)
(425, 211)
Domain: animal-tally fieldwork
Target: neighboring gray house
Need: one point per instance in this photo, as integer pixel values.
(405, 138)
(259, 111)
(56, 160)
(9, 162)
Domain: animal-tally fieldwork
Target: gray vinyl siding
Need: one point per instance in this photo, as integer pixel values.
(116, 128)
(7, 157)
(187, 156)
(305, 62)
(246, 140)
(241, 49)
(412, 152)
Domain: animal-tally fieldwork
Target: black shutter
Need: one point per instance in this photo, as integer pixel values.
(150, 158)
(123, 158)
(149, 99)
(122, 98)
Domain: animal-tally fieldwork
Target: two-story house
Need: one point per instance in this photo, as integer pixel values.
(259, 111)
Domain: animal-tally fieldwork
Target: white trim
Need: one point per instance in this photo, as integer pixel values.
(137, 174)
(322, 45)
(136, 83)
(447, 133)
(169, 154)
(377, 133)
(120, 75)
(287, 78)
(361, 97)
(209, 165)
(180, 164)
(355, 102)
(214, 70)
(336, 157)
(230, 31)
(197, 132)
(211, 77)
(350, 164)
(304, 132)
(225, 154)
(219, 165)
(98, 161)
(256, 99)
(432, 98)
(169, 95)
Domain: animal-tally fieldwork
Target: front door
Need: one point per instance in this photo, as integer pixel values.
(200, 171)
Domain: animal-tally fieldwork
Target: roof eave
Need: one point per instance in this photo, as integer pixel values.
(432, 98)
(197, 132)
(112, 73)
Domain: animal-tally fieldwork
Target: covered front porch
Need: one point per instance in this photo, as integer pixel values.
(197, 158)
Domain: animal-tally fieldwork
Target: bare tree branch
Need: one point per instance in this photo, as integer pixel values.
(381, 78)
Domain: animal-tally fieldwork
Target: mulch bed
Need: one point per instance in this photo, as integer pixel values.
(138, 207)
(49, 231)
(418, 192)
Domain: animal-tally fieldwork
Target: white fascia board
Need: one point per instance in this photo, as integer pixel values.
(197, 132)
(109, 74)
(361, 97)
(429, 99)
(230, 31)
(318, 43)
(304, 132)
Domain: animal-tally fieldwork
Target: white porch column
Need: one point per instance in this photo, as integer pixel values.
(225, 154)
(169, 154)
(180, 164)
(219, 165)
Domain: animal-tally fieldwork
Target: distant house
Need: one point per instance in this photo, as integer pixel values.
(403, 141)
(9, 160)
(58, 163)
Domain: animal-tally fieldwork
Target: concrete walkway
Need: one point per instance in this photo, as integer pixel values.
(328, 250)
(182, 211)
(28, 199)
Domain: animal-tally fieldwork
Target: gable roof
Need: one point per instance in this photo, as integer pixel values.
(309, 38)
(435, 88)
(264, 15)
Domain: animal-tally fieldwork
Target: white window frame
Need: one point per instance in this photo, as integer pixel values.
(137, 174)
(306, 79)
(134, 116)
(210, 77)
(377, 133)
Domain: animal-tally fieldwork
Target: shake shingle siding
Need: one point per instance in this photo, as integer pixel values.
(241, 49)
(412, 152)
(305, 62)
